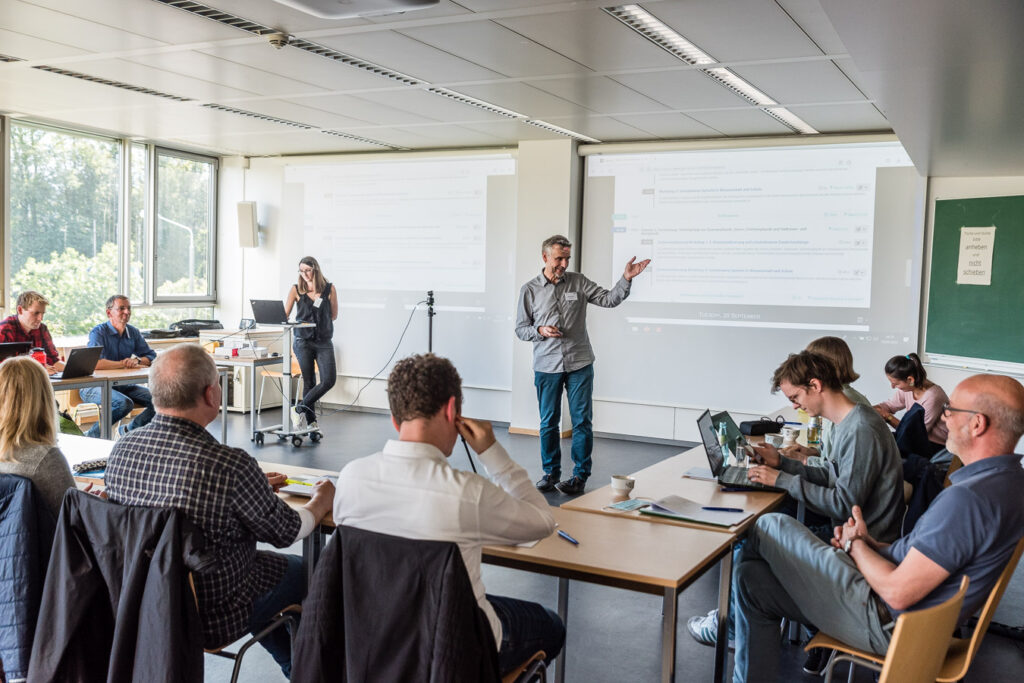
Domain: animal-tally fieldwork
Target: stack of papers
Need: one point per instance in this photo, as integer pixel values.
(677, 507)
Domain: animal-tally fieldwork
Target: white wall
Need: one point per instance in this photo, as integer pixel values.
(547, 202)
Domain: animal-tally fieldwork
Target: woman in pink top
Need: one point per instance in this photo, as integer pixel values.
(907, 376)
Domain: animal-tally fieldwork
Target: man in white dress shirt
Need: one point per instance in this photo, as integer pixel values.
(410, 490)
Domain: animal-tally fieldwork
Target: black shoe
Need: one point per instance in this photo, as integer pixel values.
(571, 486)
(817, 660)
(547, 483)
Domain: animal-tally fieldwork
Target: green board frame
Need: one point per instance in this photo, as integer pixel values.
(982, 322)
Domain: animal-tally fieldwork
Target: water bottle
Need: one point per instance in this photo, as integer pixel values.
(814, 432)
(723, 441)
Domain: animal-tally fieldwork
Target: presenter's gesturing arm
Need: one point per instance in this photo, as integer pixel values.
(599, 296)
(293, 296)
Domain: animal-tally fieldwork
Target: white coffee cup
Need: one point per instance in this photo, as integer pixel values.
(789, 436)
(622, 484)
(773, 439)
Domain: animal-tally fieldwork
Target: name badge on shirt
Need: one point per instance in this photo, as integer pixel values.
(319, 300)
(570, 296)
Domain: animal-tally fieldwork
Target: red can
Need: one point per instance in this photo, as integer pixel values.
(39, 354)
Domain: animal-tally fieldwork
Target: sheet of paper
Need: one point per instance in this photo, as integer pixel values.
(974, 267)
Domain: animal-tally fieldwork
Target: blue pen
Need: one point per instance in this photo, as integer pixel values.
(710, 508)
(568, 537)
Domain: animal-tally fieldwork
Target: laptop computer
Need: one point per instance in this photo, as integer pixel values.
(81, 362)
(269, 312)
(11, 349)
(726, 474)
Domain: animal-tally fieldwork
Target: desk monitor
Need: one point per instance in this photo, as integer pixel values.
(81, 362)
(269, 312)
(11, 349)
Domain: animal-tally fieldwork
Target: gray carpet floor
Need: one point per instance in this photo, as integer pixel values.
(613, 634)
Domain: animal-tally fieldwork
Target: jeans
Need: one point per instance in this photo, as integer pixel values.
(525, 628)
(123, 400)
(290, 591)
(580, 387)
(307, 351)
(785, 571)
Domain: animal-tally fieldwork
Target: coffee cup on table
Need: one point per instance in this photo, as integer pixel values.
(789, 436)
(773, 440)
(622, 484)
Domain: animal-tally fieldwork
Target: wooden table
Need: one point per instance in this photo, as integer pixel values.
(106, 380)
(666, 478)
(648, 558)
(660, 559)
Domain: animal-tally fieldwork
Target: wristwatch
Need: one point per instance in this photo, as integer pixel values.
(849, 544)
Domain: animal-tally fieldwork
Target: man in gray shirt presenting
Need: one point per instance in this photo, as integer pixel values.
(553, 315)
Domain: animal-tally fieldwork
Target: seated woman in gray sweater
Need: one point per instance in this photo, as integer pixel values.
(28, 430)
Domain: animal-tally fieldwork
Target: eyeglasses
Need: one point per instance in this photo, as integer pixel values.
(305, 271)
(947, 409)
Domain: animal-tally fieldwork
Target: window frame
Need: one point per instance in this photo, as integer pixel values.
(153, 175)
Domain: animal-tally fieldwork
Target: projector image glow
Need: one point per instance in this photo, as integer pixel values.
(343, 9)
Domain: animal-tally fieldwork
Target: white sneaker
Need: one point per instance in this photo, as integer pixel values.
(298, 419)
(313, 426)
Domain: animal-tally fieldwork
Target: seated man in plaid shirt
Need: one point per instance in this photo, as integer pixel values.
(174, 462)
(27, 326)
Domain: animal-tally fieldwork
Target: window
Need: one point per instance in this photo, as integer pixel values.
(64, 218)
(91, 216)
(184, 247)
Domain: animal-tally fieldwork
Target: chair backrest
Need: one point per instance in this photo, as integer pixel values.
(954, 465)
(966, 654)
(920, 641)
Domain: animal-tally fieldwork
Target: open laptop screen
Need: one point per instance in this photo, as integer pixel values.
(706, 427)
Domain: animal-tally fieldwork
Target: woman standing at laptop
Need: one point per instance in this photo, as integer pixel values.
(317, 302)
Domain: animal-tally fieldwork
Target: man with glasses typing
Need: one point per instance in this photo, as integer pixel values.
(855, 588)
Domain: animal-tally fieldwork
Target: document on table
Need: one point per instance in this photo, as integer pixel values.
(702, 473)
(677, 507)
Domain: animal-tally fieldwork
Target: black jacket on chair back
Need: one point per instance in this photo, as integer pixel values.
(386, 608)
(116, 606)
(26, 534)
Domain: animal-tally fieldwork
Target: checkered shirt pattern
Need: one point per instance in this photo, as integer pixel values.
(10, 331)
(173, 462)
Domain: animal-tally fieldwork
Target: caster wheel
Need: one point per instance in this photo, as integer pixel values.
(258, 437)
(315, 437)
(296, 441)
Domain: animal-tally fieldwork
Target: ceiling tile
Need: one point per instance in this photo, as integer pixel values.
(801, 82)
(402, 53)
(682, 89)
(496, 48)
(598, 93)
(66, 29)
(604, 128)
(842, 118)
(25, 46)
(732, 30)
(170, 82)
(669, 126)
(429, 106)
(523, 99)
(739, 122)
(291, 66)
(593, 39)
(814, 22)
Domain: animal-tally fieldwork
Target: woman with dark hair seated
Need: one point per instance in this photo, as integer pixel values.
(907, 376)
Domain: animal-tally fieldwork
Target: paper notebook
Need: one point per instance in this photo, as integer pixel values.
(304, 489)
(677, 507)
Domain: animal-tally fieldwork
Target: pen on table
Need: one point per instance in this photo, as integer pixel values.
(568, 537)
(711, 508)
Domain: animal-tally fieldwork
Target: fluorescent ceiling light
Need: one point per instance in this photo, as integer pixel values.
(657, 32)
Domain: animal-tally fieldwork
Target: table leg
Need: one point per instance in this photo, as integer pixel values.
(312, 546)
(224, 407)
(668, 635)
(252, 402)
(722, 640)
(106, 410)
(563, 614)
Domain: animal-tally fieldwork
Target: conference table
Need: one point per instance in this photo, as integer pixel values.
(107, 380)
(614, 550)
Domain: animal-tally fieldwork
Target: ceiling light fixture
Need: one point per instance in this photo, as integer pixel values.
(659, 33)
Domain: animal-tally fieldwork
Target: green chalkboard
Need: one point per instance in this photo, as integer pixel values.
(984, 322)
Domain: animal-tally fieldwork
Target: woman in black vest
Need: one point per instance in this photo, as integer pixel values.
(317, 301)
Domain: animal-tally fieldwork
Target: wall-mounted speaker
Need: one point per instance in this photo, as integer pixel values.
(248, 228)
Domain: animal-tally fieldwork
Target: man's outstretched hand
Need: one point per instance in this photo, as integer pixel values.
(634, 268)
